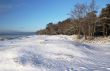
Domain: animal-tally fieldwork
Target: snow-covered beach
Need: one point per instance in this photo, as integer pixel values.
(53, 53)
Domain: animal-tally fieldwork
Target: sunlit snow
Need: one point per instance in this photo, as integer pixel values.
(53, 53)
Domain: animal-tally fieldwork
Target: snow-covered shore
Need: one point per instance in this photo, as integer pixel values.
(53, 53)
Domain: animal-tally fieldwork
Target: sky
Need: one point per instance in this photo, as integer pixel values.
(32, 15)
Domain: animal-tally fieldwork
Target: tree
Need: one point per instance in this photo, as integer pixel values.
(91, 20)
(105, 20)
(92, 7)
(79, 13)
(51, 29)
(86, 18)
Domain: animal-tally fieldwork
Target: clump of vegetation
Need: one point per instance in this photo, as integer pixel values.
(83, 22)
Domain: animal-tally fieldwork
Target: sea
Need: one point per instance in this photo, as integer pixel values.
(14, 35)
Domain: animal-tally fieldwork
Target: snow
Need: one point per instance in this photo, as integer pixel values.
(54, 53)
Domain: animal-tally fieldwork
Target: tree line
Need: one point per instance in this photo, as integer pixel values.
(83, 22)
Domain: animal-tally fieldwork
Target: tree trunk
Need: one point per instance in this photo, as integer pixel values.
(79, 31)
(103, 29)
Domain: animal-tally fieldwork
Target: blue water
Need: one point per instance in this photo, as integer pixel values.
(9, 36)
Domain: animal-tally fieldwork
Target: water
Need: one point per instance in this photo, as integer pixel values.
(9, 36)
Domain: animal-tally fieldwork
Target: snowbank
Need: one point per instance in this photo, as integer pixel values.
(53, 53)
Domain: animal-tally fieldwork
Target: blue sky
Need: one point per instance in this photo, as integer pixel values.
(32, 15)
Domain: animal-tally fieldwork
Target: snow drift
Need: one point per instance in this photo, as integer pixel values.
(53, 53)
